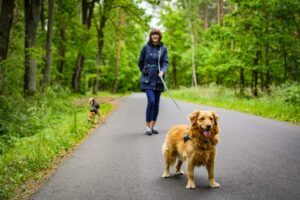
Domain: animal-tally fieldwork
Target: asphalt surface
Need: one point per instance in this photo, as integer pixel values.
(257, 158)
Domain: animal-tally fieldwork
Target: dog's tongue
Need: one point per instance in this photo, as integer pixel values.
(206, 133)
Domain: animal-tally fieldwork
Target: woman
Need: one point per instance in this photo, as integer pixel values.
(152, 72)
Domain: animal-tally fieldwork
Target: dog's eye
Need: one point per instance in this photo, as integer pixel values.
(201, 118)
(211, 118)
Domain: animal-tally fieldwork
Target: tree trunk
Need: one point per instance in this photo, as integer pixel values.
(0, 6)
(62, 51)
(104, 10)
(87, 14)
(119, 46)
(255, 76)
(268, 78)
(194, 77)
(242, 81)
(294, 67)
(285, 61)
(6, 18)
(205, 17)
(77, 72)
(100, 34)
(174, 72)
(42, 16)
(220, 12)
(254, 82)
(32, 15)
(46, 77)
(262, 81)
(194, 82)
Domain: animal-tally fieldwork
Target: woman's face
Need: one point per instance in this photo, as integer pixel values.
(155, 38)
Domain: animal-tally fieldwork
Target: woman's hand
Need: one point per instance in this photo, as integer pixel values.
(161, 73)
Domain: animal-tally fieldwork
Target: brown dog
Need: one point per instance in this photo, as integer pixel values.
(196, 145)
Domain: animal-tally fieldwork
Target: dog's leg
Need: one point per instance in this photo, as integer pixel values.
(166, 173)
(168, 161)
(190, 175)
(178, 167)
(211, 176)
(90, 117)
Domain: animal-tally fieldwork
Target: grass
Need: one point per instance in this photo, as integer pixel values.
(273, 106)
(62, 124)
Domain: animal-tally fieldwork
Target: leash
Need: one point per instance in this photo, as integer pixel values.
(162, 80)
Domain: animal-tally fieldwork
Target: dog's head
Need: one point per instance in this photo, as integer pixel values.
(206, 121)
(91, 101)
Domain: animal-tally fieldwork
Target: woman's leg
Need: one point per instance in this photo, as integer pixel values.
(155, 109)
(156, 105)
(150, 106)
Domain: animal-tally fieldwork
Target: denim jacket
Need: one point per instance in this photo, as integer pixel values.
(148, 64)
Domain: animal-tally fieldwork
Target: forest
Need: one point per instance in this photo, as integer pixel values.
(53, 51)
(93, 45)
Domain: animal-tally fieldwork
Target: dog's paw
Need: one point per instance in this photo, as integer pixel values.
(214, 184)
(190, 185)
(179, 173)
(165, 175)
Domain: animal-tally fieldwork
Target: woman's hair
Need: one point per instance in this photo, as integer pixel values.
(153, 32)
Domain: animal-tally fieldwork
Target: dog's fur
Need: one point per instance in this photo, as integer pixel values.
(199, 150)
(92, 115)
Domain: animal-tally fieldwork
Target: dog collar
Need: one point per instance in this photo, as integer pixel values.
(186, 138)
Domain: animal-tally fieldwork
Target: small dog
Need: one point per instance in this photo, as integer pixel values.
(195, 144)
(94, 111)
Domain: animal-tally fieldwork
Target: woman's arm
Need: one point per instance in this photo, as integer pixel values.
(141, 61)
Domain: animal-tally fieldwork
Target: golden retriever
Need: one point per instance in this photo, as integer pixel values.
(195, 144)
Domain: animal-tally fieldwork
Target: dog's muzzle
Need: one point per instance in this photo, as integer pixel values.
(207, 131)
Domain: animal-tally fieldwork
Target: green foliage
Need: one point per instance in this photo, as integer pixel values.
(132, 43)
(273, 107)
(257, 37)
(260, 36)
(290, 93)
(54, 124)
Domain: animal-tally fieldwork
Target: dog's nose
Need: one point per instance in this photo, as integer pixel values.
(208, 126)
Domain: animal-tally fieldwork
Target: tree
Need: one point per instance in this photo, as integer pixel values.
(220, 12)
(193, 43)
(119, 46)
(32, 15)
(87, 15)
(46, 75)
(62, 49)
(105, 7)
(6, 18)
(172, 19)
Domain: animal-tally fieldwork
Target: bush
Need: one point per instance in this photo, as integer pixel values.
(47, 126)
(291, 93)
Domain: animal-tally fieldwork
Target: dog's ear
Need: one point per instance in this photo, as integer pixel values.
(193, 116)
(216, 117)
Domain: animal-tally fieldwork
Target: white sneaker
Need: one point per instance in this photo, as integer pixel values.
(154, 131)
(148, 130)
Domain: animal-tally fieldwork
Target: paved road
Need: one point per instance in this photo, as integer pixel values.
(257, 158)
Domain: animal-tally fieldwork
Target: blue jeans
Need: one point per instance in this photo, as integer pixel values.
(153, 97)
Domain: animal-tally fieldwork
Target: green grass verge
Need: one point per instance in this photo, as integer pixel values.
(273, 106)
(64, 125)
